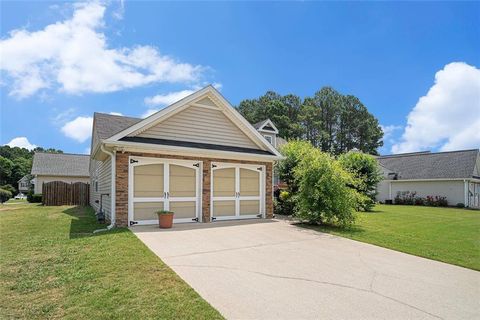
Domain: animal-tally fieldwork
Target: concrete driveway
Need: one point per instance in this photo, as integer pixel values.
(273, 270)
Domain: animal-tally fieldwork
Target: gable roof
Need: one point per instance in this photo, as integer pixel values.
(438, 165)
(61, 164)
(212, 94)
(266, 125)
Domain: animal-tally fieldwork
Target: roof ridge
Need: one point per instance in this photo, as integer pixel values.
(116, 115)
(424, 153)
(67, 153)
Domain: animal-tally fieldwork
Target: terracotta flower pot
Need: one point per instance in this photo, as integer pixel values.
(165, 220)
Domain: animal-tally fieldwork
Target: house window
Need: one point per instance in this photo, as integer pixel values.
(269, 138)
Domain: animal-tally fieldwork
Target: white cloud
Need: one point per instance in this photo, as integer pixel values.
(148, 113)
(21, 142)
(448, 116)
(115, 113)
(168, 98)
(73, 56)
(87, 150)
(79, 129)
(389, 130)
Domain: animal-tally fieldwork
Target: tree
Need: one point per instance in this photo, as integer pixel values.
(366, 173)
(6, 166)
(282, 110)
(333, 122)
(318, 185)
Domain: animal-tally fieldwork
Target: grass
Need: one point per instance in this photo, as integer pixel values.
(52, 266)
(449, 235)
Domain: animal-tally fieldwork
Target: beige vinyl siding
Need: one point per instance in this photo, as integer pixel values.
(101, 171)
(203, 125)
(39, 180)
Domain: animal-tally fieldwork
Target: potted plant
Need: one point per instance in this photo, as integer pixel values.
(165, 219)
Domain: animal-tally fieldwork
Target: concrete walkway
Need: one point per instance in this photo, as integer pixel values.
(272, 270)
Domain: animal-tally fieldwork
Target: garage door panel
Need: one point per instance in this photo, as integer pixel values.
(249, 182)
(183, 209)
(146, 210)
(182, 181)
(149, 181)
(224, 182)
(224, 208)
(249, 207)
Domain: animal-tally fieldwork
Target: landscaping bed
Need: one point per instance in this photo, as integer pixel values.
(52, 266)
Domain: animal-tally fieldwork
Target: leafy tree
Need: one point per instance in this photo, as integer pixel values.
(17, 162)
(5, 195)
(366, 173)
(318, 185)
(9, 188)
(6, 166)
(333, 122)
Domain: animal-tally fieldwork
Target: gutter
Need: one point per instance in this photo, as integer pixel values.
(112, 191)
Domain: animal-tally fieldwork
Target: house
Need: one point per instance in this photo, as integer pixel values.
(453, 174)
(64, 167)
(24, 184)
(197, 157)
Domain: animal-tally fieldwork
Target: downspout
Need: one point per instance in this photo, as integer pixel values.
(112, 189)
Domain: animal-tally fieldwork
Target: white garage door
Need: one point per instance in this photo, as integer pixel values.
(237, 191)
(158, 184)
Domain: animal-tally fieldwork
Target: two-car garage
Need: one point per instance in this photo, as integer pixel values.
(237, 191)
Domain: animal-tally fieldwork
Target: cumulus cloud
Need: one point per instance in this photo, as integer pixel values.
(21, 142)
(448, 116)
(389, 130)
(168, 98)
(79, 129)
(162, 100)
(73, 56)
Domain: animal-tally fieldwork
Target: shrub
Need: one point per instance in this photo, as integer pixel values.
(10, 188)
(405, 197)
(285, 204)
(436, 201)
(419, 201)
(460, 205)
(293, 152)
(4, 195)
(364, 168)
(34, 197)
(324, 195)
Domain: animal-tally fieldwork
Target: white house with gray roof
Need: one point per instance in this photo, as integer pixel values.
(453, 174)
(64, 167)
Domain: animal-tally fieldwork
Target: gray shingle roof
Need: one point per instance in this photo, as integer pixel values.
(108, 125)
(260, 124)
(438, 165)
(61, 164)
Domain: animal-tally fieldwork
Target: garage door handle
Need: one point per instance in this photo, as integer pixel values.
(168, 194)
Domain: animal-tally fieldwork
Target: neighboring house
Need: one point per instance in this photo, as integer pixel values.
(64, 167)
(197, 157)
(454, 175)
(24, 184)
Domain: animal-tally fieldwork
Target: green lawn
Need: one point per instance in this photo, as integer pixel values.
(445, 234)
(51, 266)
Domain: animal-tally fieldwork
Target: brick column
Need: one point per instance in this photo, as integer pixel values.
(207, 167)
(121, 190)
(269, 191)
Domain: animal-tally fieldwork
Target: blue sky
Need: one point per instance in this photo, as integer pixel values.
(60, 62)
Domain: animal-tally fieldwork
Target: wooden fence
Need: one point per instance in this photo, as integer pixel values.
(59, 193)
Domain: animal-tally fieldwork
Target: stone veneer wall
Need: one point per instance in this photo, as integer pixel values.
(122, 183)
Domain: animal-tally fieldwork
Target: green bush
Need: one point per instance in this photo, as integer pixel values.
(34, 197)
(366, 173)
(324, 194)
(293, 152)
(285, 204)
(10, 188)
(4, 195)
